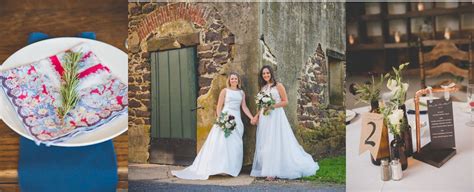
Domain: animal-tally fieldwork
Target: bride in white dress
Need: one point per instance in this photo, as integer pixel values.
(221, 155)
(277, 152)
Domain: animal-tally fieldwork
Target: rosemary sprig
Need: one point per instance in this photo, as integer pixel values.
(70, 80)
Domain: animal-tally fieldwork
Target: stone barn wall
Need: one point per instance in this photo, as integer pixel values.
(299, 35)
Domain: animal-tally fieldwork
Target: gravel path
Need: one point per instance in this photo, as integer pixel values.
(151, 177)
(258, 185)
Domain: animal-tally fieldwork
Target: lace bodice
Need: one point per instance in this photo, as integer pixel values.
(273, 91)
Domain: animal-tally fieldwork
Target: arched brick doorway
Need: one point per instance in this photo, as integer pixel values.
(173, 27)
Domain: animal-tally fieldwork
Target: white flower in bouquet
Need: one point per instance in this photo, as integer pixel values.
(228, 125)
(266, 99)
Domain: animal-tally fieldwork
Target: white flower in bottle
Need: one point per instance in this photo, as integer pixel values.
(405, 87)
(392, 85)
(396, 117)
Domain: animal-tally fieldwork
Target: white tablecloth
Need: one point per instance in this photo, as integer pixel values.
(454, 175)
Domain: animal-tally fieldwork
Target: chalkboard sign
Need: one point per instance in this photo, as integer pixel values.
(440, 114)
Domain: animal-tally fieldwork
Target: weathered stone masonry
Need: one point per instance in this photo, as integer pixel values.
(311, 92)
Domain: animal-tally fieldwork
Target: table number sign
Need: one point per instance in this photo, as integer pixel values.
(440, 115)
(371, 132)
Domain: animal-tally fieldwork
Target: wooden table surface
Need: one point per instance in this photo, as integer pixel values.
(18, 18)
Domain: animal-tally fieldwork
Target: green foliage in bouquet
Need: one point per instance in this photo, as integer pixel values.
(265, 101)
(226, 122)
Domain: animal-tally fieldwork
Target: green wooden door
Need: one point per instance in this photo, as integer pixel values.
(174, 98)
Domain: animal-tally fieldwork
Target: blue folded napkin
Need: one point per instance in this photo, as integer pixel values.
(89, 168)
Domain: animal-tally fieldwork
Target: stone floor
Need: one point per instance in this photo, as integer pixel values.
(414, 85)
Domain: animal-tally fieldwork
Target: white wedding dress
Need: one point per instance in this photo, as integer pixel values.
(277, 152)
(219, 155)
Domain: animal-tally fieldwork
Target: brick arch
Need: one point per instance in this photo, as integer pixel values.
(214, 43)
(163, 14)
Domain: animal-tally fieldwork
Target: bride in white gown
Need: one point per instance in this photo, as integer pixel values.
(220, 154)
(277, 152)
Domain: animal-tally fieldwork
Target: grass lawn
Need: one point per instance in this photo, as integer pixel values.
(331, 169)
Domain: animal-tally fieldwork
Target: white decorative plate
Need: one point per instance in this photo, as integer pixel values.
(410, 104)
(112, 57)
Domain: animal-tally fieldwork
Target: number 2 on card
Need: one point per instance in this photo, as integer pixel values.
(371, 133)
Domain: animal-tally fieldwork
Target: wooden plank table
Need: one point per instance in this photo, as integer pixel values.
(18, 18)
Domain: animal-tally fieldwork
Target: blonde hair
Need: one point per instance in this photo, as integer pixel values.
(239, 84)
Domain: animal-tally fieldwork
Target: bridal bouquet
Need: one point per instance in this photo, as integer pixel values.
(264, 101)
(227, 123)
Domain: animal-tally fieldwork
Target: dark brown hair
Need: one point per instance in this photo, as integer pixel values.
(261, 81)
